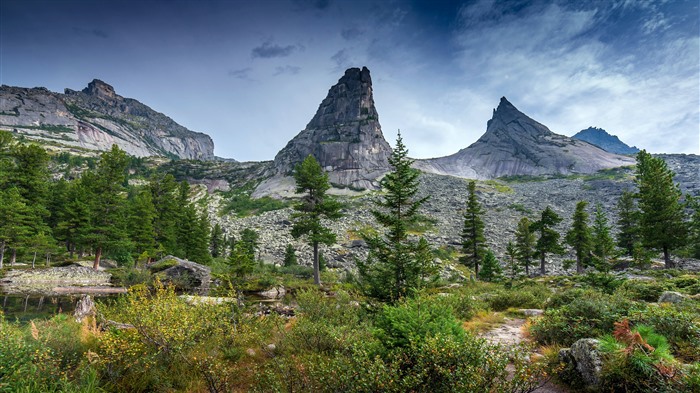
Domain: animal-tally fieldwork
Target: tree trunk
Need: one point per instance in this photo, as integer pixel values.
(668, 263)
(98, 255)
(48, 259)
(317, 268)
(2, 253)
(527, 268)
(34, 259)
(543, 271)
(13, 257)
(579, 266)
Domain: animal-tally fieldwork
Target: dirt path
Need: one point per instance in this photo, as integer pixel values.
(511, 333)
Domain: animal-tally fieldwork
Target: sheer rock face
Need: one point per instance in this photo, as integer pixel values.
(611, 143)
(515, 144)
(96, 118)
(344, 136)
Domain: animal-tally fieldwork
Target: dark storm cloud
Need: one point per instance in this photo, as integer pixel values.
(269, 50)
(90, 32)
(287, 70)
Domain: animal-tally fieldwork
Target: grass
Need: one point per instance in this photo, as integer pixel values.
(484, 321)
(499, 187)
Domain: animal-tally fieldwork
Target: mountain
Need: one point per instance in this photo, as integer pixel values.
(95, 118)
(610, 143)
(344, 136)
(515, 144)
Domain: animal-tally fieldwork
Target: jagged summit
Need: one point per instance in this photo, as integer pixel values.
(97, 117)
(515, 144)
(100, 89)
(344, 136)
(608, 142)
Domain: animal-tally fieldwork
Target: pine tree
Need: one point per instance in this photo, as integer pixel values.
(603, 243)
(312, 182)
(216, 241)
(396, 265)
(525, 244)
(662, 218)
(548, 241)
(241, 261)
(694, 204)
(473, 240)
(141, 223)
(16, 222)
(579, 236)
(627, 223)
(513, 263)
(74, 225)
(164, 195)
(290, 256)
(491, 269)
(108, 194)
(250, 242)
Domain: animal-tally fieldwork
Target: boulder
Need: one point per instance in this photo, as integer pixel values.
(84, 308)
(584, 361)
(184, 274)
(671, 297)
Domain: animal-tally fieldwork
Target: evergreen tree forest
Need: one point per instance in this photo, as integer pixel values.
(97, 213)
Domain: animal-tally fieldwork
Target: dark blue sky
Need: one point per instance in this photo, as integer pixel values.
(252, 73)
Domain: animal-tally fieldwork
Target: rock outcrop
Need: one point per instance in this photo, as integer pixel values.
(583, 360)
(183, 274)
(344, 136)
(96, 118)
(610, 143)
(515, 144)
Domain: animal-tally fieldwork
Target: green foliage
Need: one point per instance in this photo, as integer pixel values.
(627, 222)
(217, 243)
(662, 216)
(636, 360)
(680, 327)
(473, 240)
(603, 244)
(548, 241)
(290, 256)
(415, 319)
(519, 296)
(314, 205)
(243, 205)
(648, 291)
(525, 244)
(491, 268)
(397, 265)
(579, 236)
(579, 314)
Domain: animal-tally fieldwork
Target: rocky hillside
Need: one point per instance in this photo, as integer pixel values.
(344, 136)
(515, 144)
(610, 143)
(506, 202)
(95, 119)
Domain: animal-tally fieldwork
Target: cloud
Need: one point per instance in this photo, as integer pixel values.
(91, 32)
(243, 73)
(321, 5)
(351, 33)
(288, 69)
(341, 59)
(269, 50)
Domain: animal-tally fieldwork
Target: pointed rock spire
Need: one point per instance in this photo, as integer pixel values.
(344, 135)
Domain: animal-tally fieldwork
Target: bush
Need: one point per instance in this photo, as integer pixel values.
(648, 291)
(416, 319)
(681, 328)
(606, 283)
(520, 296)
(589, 314)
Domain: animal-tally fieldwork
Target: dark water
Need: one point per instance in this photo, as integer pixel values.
(24, 308)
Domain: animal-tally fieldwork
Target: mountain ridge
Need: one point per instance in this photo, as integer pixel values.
(95, 118)
(604, 140)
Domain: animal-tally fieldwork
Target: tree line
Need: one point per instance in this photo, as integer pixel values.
(98, 214)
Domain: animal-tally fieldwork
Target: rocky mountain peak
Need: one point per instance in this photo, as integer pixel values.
(508, 121)
(100, 89)
(608, 142)
(344, 136)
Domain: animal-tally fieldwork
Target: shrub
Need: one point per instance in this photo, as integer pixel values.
(637, 360)
(606, 283)
(648, 291)
(520, 296)
(591, 314)
(415, 319)
(681, 328)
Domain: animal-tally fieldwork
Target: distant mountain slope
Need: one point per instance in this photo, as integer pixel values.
(610, 143)
(96, 118)
(515, 144)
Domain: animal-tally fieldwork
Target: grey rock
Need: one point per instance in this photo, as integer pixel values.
(584, 357)
(84, 308)
(273, 293)
(185, 274)
(96, 118)
(515, 144)
(344, 136)
(610, 143)
(531, 312)
(671, 297)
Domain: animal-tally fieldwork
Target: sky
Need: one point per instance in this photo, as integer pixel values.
(251, 74)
